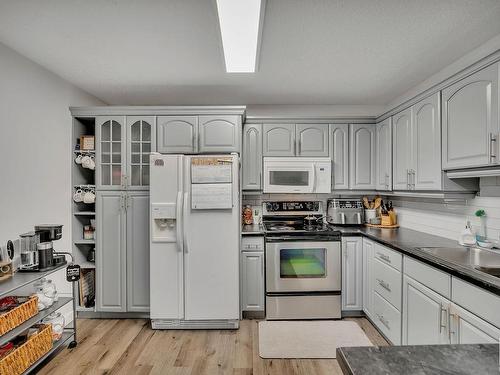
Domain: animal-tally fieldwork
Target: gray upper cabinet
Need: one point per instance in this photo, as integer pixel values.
(312, 139)
(141, 141)
(110, 252)
(177, 134)
(278, 139)
(417, 146)
(426, 144)
(137, 208)
(470, 121)
(339, 151)
(402, 149)
(252, 157)
(219, 134)
(110, 152)
(383, 148)
(362, 156)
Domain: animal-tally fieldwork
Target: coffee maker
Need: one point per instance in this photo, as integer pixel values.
(37, 251)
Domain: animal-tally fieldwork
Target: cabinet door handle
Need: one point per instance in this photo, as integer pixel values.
(414, 178)
(387, 181)
(451, 323)
(493, 143)
(384, 285)
(384, 257)
(383, 321)
(442, 324)
(408, 179)
(300, 146)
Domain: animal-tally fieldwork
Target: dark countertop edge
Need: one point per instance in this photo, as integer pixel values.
(483, 281)
(396, 353)
(343, 363)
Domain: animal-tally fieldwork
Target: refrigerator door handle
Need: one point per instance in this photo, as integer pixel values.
(184, 215)
(179, 223)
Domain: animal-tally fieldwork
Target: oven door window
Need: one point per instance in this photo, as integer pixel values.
(302, 263)
(289, 178)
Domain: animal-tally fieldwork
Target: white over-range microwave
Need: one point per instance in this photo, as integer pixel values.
(297, 175)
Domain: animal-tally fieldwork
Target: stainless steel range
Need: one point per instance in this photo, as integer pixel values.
(303, 262)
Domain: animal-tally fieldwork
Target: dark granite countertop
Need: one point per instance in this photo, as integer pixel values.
(408, 241)
(421, 359)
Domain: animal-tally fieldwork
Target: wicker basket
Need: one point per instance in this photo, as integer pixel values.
(18, 315)
(24, 356)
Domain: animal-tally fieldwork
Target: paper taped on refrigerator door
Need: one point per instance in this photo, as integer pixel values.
(209, 170)
(211, 196)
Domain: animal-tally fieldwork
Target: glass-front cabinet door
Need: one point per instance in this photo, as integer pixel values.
(141, 141)
(110, 160)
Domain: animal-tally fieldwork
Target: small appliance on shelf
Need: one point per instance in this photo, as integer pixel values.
(345, 211)
(37, 251)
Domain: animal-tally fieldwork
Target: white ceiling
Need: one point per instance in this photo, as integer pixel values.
(313, 51)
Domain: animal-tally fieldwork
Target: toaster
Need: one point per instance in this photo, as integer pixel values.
(345, 211)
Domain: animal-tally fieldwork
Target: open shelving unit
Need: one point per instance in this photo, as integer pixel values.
(24, 279)
(83, 213)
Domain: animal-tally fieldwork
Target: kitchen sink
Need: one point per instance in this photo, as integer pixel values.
(493, 271)
(487, 261)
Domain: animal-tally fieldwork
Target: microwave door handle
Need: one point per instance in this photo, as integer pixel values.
(313, 178)
(178, 222)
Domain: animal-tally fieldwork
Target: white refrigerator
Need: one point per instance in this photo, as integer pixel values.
(195, 231)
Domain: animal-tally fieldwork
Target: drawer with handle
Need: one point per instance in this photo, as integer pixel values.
(387, 282)
(387, 318)
(252, 243)
(388, 256)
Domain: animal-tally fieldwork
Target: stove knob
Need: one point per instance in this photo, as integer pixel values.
(269, 206)
(276, 206)
(309, 206)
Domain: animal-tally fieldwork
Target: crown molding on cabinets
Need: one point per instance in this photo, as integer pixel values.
(465, 72)
(311, 120)
(156, 110)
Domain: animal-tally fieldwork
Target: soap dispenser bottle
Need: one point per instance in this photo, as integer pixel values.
(467, 237)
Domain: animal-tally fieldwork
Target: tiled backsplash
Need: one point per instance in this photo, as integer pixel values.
(427, 215)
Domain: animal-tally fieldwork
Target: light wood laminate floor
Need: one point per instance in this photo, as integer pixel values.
(130, 346)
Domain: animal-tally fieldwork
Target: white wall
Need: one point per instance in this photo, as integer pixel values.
(448, 219)
(35, 129)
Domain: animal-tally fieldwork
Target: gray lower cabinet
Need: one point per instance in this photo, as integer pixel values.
(252, 157)
(352, 273)
(111, 252)
(177, 134)
(312, 139)
(278, 139)
(368, 253)
(383, 147)
(252, 281)
(362, 156)
(470, 121)
(467, 328)
(425, 315)
(122, 251)
(339, 151)
(219, 134)
(137, 211)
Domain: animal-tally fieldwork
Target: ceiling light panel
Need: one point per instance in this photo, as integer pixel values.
(240, 25)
